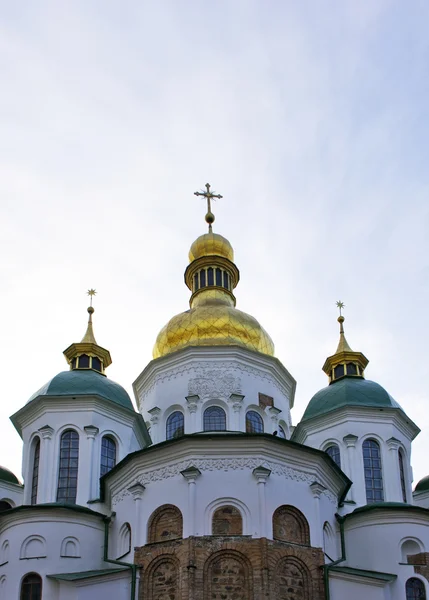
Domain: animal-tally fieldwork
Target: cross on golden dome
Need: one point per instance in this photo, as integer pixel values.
(209, 197)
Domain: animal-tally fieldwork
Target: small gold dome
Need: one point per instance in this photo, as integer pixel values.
(213, 324)
(211, 244)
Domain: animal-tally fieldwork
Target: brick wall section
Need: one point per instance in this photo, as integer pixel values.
(227, 521)
(230, 568)
(421, 563)
(166, 523)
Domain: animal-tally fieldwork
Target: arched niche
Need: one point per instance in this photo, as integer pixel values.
(290, 525)
(228, 574)
(227, 520)
(165, 523)
(33, 546)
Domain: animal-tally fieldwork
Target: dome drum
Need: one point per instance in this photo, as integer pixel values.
(212, 271)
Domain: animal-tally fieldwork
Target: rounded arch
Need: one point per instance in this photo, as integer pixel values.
(4, 552)
(162, 578)
(239, 581)
(35, 463)
(124, 540)
(329, 542)
(108, 454)
(175, 425)
(409, 546)
(214, 402)
(214, 418)
(165, 523)
(293, 579)
(290, 525)
(70, 547)
(34, 546)
(218, 503)
(31, 587)
(283, 430)
(254, 422)
(372, 457)
(415, 588)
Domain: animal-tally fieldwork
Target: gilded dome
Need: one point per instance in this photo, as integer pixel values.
(211, 244)
(215, 323)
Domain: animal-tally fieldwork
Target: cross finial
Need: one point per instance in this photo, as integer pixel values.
(209, 197)
(91, 293)
(340, 305)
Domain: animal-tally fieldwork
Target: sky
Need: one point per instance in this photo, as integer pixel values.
(310, 118)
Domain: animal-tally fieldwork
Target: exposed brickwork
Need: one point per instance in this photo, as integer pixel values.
(265, 400)
(230, 568)
(421, 563)
(290, 525)
(166, 523)
(227, 521)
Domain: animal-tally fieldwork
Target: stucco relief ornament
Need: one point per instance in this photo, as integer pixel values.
(214, 384)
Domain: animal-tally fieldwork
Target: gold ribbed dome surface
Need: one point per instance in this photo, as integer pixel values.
(213, 324)
(211, 244)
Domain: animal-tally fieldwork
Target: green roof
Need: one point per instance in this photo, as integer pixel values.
(86, 574)
(349, 391)
(423, 485)
(364, 573)
(8, 476)
(85, 383)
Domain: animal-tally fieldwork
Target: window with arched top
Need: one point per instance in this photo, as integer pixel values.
(415, 589)
(124, 540)
(373, 471)
(68, 469)
(214, 419)
(333, 451)
(402, 475)
(35, 474)
(227, 520)
(282, 432)
(254, 422)
(108, 455)
(175, 426)
(31, 587)
(290, 525)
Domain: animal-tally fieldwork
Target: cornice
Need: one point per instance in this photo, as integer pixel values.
(230, 358)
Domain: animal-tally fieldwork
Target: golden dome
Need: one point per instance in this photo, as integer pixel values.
(214, 322)
(211, 244)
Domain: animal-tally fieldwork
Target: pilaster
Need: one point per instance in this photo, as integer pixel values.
(191, 475)
(261, 475)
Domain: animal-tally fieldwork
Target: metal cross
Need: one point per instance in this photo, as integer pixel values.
(209, 195)
(91, 293)
(340, 305)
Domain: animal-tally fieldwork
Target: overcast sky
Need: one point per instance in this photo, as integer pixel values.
(309, 117)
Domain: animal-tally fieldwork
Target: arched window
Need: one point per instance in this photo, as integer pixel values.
(124, 545)
(108, 455)
(334, 452)
(282, 432)
(225, 280)
(227, 520)
(35, 477)
(31, 587)
(254, 422)
(214, 419)
(175, 426)
(415, 589)
(339, 371)
(203, 278)
(69, 463)
(372, 469)
(210, 277)
(219, 277)
(402, 475)
(83, 361)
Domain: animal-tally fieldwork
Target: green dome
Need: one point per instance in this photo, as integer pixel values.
(8, 476)
(85, 383)
(423, 485)
(348, 391)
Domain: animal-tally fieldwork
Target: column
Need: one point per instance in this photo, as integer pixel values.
(192, 403)
(136, 491)
(191, 475)
(261, 475)
(317, 531)
(92, 466)
(274, 414)
(46, 492)
(155, 434)
(351, 467)
(236, 401)
(390, 472)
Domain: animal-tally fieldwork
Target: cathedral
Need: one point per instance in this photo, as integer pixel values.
(208, 491)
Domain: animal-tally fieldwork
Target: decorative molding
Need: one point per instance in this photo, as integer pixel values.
(192, 402)
(236, 400)
(191, 474)
(221, 464)
(274, 412)
(155, 413)
(213, 384)
(136, 490)
(350, 440)
(261, 474)
(317, 489)
(91, 432)
(393, 443)
(199, 369)
(46, 432)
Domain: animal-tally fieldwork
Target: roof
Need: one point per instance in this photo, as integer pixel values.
(389, 506)
(423, 485)
(86, 574)
(364, 573)
(54, 506)
(85, 383)
(349, 391)
(8, 476)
